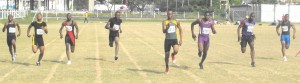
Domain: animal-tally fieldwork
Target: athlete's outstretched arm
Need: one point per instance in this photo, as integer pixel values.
(19, 29)
(277, 29)
(77, 29)
(180, 32)
(4, 27)
(294, 31)
(60, 30)
(192, 29)
(213, 27)
(28, 30)
(239, 29)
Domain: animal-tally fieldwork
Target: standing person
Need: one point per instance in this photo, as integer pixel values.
(86, 15)
(70, 35)
(114, 27)
(206, 25)
(286, 26)
(40, 28)
(248, 36)
(10, 26)
(173, 32)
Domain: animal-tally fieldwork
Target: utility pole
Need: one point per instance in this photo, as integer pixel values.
(188, 2)
(176, 7)
(182, 2)
(289, 6)
(167, 5)
(39, 4)
(7, 5)
(210, 3)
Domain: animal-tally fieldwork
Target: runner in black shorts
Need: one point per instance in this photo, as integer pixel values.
(248, 36)
(114, 27)
(40, 28)
(10, 26)
(173, 32)
(70, 35)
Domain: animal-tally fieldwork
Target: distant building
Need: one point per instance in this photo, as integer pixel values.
(265, 12)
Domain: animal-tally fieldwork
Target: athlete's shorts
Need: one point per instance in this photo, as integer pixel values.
(9, 40)
(286, 39)
(204, 39)
(68, 40)
(38, 41)
(247, 39)
(169, 43)
(112, 36)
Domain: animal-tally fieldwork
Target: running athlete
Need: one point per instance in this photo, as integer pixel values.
(10, 26)
(286, 26)
(206, 25)
(247, 26)
(40, 28)
(70, 36)
(172, 29)
(114, 27)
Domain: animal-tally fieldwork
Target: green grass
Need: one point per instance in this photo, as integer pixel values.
(141, 57)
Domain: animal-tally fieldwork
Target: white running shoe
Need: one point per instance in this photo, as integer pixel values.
(69, 63)
(284, 58)
(173, 59)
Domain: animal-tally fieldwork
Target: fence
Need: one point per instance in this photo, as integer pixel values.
(240, 15)
(130, 15)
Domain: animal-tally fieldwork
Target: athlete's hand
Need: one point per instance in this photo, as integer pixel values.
(294, 36)
(18, 35)
(112, 29)
(278, 34)
(28, 35)
(76, 36)
(239, 38)
(61, 36)
(120, 31)
(46, 31)
(180, 42)
(194, 37)
(214, 32)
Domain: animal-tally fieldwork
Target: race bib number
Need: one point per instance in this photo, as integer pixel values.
(285, 28)
(12, 30)
(39, 31)
(172, 29)
(250, 28)
(69, 28)
(116, 27)
(205, 30)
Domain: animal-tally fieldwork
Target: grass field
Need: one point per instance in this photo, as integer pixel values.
(141, 57)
